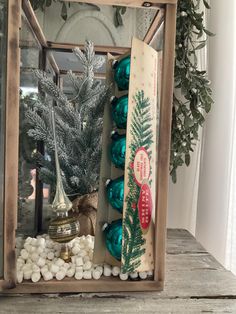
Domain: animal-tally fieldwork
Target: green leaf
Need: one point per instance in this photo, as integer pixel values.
(206, 4)
(207, 106)
(174, 176)
(48, 3)
(200, 46)
(123, 10)
(119, 19)
(208, 33)
(187, 159)
(64, 11)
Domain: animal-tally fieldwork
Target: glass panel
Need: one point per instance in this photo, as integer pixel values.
(3, 21)
(103, 25)
(46, 188)
(30, 53)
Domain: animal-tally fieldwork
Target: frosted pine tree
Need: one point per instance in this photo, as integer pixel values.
(78, 126)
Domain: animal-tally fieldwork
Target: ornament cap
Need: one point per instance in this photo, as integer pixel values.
(114, 64)
(108, 181)
(112, 99)
(114, 134)
(104, 227)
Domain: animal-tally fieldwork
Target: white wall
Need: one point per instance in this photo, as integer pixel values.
(213, 199)
(182, 207)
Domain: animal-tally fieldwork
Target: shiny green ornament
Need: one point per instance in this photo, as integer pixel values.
(115, 193)
(119, 111)
(122, 73)
(118, 148)
(113, 236)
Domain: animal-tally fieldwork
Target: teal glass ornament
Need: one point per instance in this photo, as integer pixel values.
(115, 193)
(119, 111)
(113, 236)
(117, 151)
(122, 73)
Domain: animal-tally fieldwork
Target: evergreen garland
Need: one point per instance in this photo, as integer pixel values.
(191, 83)
(141, 131)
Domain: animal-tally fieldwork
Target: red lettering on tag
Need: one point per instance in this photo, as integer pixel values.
(145, 206)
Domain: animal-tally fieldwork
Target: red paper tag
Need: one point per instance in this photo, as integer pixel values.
(141, 166)
(145, 206)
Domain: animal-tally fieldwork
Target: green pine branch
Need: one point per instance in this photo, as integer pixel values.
(133, 240)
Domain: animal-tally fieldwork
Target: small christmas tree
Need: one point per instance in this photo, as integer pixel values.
(78, 126)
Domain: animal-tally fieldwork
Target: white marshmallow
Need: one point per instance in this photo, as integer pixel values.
(90, 255)
(54, 268)
(27, 274)
(115, 271)
(87, 274)
(43, 255)
(79, 261)
(82, 246)
(35, 268)
(41, 262)
(28, 240)
(75, 250)
(57, 253)
(70, 272)
(86, 259)
(47, 276)
(49, 244)
(26, 267)
(50, 255)
(79, 269)
(82, 253)
(34, 242)
(39, 250)
(27, 247)
(73, 259)
(20, 276)
(40, 242)
(35, 277)
(32, 249)
(133, 275)
(143, 275)
(87, 265)
(57, 247)
(60, 275)
(67, 266)
(107, 270)
(59, 262)
(100, 269)
(34, 257)
(24, 254)
(20, 260)
(79, 275)
(44, 269)
(123, 276)
(96, 274)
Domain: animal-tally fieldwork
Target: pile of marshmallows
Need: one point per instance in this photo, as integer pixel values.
(39, 258)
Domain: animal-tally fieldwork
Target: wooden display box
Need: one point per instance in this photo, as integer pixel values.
(165, 13)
